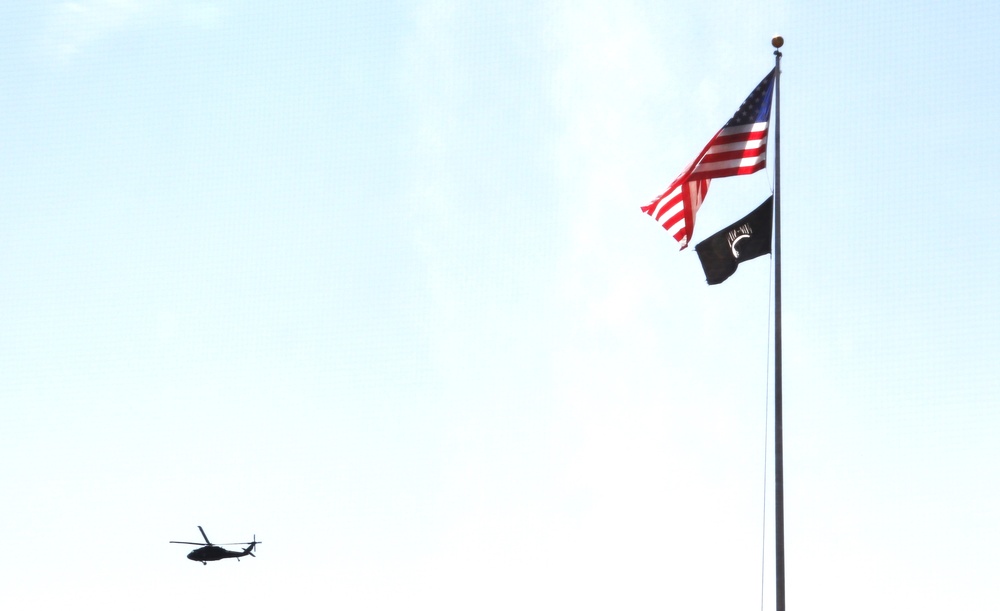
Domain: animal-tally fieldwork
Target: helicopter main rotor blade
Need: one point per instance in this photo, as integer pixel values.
(187, 543)
(204, 535)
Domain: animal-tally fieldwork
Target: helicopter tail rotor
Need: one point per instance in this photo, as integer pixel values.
(253, 545)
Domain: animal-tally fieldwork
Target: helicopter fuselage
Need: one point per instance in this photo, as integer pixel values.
(211, 553)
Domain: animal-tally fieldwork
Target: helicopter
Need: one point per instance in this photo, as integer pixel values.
(210, 552)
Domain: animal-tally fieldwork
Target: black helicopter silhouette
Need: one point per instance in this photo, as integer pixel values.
(210, 552)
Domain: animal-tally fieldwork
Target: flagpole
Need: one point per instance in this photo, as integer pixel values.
(779, 503)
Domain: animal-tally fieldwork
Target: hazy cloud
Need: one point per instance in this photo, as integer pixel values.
(75, 26)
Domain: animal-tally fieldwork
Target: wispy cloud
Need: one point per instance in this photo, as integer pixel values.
(76, 26)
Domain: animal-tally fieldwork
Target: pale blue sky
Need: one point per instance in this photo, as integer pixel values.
(370, 280)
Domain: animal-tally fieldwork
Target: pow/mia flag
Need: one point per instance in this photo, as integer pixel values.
(747, 238)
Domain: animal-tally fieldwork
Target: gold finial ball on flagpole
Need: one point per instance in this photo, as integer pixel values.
(777, 41)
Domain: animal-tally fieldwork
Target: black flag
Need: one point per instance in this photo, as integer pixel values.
(747, 238)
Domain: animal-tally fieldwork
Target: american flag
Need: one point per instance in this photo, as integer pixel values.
(740, 147)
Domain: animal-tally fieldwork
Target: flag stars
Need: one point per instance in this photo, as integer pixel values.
(751, 109)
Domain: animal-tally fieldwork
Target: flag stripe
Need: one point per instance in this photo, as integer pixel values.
(728, 161)
(730, 168)
(738, 149)
(757, 126)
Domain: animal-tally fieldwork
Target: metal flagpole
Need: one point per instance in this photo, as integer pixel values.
(779, 503)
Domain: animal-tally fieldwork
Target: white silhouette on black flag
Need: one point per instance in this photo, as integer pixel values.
(747, 238)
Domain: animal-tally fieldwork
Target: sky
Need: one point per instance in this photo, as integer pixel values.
(370, 282)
